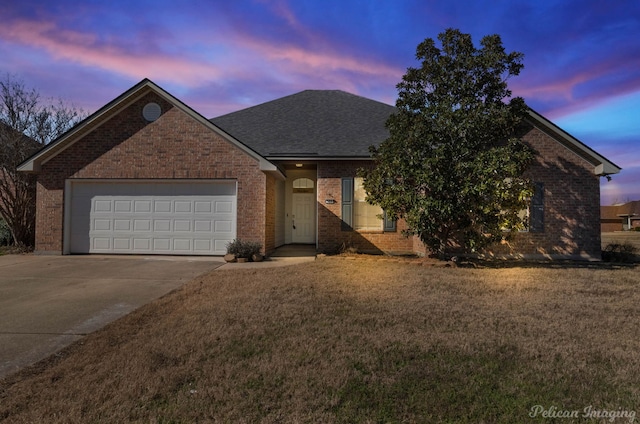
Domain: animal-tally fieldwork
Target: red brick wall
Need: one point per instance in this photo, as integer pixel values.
(330, 234)
(572, 208)
(127, 146)
(609, 226)
(571, 204)
(270, 215)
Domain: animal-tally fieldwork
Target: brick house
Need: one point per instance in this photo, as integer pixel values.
(620, 217)
(146, 174)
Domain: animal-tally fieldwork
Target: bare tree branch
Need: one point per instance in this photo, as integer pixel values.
(27, 123)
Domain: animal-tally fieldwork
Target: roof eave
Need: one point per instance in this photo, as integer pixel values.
(316, 158)
(602, 166)
(606, 168)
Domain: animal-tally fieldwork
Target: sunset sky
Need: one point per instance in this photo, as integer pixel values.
(582, 58)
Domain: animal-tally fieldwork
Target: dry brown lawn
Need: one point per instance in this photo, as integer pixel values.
(353, 340)
(631, 237)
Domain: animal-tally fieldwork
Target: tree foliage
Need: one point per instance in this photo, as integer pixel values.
(453, 164)
(27, 123)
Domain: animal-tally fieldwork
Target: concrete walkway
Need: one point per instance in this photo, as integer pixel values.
(289, 254)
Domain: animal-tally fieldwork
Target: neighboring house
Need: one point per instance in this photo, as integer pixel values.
(620, 217)
(147, 174)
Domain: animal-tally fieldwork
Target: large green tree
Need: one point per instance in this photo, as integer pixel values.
(453, 164)
(27, 123)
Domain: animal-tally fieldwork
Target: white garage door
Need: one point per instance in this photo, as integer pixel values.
(169, 218)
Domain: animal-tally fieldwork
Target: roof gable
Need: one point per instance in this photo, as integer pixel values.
(114, 107)
(602, 166)
(311, 124)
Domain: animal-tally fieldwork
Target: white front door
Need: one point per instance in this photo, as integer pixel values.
(303, 218)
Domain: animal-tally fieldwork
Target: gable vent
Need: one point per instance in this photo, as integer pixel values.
(151, 111)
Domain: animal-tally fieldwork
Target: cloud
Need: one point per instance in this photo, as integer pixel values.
(204, 56)
(87, 50)
(587, 85)
(612, 118)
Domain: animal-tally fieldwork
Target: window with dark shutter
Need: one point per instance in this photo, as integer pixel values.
(357, 214)
(347, 204)
(536, 210)
(389, 223)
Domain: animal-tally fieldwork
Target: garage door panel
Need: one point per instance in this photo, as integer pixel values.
(223, 207)
(182, 206)
(162, 244)
(142, 244)
(121, 244)
(162, 206)
(202, 207)
(182, 244)
(121, 206)
(162, 218)
(101, 243)
(143, 225)
(122, 224)
(221, 244)
(102, 206)
(181, 225)
(225, 226)
(203, 245)
(142, 206)
(161, 225)
(202, 226)
(102, 224)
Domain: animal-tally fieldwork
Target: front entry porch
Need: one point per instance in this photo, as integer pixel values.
(295, 251)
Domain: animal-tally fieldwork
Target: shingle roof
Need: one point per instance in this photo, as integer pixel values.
(311, 123)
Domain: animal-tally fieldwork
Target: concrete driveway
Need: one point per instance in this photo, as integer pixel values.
(48, 302)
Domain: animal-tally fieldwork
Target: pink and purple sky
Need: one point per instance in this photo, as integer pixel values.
(582, 57)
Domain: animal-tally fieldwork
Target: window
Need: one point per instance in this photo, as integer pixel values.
(533, 216)
(536, 209)
(302, 183)
(365, 215)
(359, 215)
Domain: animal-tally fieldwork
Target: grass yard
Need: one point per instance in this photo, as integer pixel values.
(355, 340)
(621, 237)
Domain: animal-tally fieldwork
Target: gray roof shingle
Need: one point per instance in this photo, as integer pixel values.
(311, 123)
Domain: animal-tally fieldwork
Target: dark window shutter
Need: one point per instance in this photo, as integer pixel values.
(536, 211)
(347, 204)
(389, 223)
